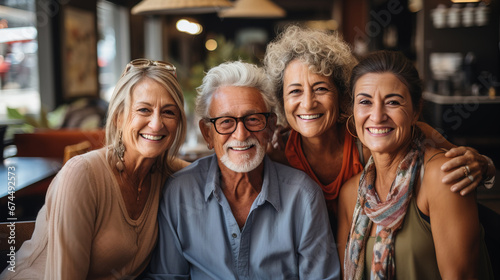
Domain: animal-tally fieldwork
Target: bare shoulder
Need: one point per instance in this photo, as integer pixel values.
(433, 160)
(432, 185)
(351, 185)
(179, 164)
(349, 191)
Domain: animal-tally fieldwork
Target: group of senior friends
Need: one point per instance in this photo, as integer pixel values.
(240, 215)
(249, 211)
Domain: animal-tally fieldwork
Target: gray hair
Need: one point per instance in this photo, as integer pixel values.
(325, 52)
(120, 104)
(233, 73)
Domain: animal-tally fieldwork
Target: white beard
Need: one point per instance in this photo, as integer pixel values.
(248, 164)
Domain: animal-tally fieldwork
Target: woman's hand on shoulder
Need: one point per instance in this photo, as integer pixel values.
(466, 169)
(480, 167)
(279, 137)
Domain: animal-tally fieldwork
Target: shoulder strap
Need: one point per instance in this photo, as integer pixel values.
(422, 167)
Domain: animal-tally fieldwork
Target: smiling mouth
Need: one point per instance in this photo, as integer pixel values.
(152, 137)
(310, 117)
(242, 148)
(379, 130)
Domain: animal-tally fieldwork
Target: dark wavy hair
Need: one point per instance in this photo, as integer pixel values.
(395, 63)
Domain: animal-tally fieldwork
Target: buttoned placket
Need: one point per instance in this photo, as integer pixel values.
(239, 239)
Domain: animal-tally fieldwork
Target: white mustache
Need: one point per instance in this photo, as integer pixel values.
(236, 143)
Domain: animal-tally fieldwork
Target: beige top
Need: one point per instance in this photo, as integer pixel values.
(84, 231)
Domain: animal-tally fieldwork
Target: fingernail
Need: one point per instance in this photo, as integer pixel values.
(453, 189)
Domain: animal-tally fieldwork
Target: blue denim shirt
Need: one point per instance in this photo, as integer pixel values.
(286, 235)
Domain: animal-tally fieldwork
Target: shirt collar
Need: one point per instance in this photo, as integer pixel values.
(270, 184)
(213, 176)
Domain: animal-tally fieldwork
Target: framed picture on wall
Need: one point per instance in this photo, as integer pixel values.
(79, 52)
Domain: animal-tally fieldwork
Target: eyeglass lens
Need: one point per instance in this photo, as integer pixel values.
(253, 123)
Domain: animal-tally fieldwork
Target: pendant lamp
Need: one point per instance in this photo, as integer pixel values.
(155, 7)
(253, 9)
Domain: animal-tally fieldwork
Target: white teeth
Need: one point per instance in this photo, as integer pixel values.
(309, 117)
(152, 137)
(241, 149)
(379, 130)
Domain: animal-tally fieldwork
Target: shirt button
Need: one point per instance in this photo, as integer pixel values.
(234, 235)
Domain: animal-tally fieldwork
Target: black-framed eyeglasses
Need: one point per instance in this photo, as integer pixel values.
(253, 123)
(143, 62)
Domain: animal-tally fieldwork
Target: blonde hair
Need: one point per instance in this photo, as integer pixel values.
(325, 52)
(120, 103)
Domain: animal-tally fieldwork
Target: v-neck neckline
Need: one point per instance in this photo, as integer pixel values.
(121, 200)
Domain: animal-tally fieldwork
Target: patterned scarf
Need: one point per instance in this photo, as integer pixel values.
(388, 215)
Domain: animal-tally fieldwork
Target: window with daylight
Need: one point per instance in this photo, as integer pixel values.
(19, 79)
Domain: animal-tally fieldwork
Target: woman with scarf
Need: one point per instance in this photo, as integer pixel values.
(397, 218)
(310, 71)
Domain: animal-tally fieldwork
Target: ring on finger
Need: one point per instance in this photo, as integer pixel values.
(466, 170)
(471, 178)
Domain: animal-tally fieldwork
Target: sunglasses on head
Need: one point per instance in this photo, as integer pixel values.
(143, 63)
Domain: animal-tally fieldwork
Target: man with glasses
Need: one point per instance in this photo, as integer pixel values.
(236, 214)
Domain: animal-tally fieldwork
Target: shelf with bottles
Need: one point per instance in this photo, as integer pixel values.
(460, 15)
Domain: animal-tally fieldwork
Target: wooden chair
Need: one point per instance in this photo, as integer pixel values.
(76, 149)
(22, 232)
(49, 143)
(52, 142)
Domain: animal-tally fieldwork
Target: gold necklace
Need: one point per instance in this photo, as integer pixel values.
(131, 183)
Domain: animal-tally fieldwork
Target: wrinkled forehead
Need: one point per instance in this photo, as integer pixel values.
(236, 102)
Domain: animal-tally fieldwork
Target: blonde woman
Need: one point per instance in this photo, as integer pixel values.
(100, 215)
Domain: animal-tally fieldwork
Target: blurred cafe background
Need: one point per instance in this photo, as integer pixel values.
(59, 61)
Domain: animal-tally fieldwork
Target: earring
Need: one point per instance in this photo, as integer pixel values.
(208, 146)
(347, 126)
(120, 151)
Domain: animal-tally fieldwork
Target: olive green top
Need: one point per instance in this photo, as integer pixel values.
(415, 255)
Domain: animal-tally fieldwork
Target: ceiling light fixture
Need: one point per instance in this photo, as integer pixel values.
(253, 9)
(155, 7)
